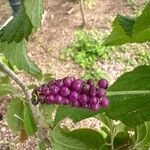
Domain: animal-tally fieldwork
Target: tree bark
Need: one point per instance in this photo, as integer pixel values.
(82, 13)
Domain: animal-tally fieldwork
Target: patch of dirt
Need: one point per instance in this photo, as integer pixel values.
(62, 19)
(5, 11)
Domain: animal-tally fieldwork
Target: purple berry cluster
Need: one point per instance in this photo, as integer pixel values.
(74, 92)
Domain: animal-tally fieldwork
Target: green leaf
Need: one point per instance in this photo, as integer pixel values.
(130, 30)
(76, 114)
(126, 23)
(105, 147)
(105, 121)
(130, 97)
(46, 111)
(122, 141)
(121, 136)
(116, 131)
(4, 79)
(7, 89)
(143, 22)
(18, 28)
(122, 31)
(16, 53)
(129, 100)
(141, 132)
(106, 125)
(15, 114)
(119, 128)
(32, 86)
(46, 77)
(34, 9)
(29, 122)
(143, 136)
(79, 139)
(42, 145)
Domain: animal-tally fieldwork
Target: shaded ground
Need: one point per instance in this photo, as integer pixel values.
(62, 19)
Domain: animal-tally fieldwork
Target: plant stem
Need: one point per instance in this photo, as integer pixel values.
(28, 96)
(82, 12)
(112, 137)
(122, 146)
(136, 92)
(8, 71)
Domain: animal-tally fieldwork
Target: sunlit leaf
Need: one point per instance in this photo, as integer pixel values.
(15, 114)
(29, 122)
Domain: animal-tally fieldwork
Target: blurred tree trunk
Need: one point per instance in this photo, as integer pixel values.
(82, 12)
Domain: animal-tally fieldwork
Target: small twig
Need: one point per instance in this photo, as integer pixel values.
(27, 93)
(112, 136)
(82, 12)
(6, 22)
(8, 71)
(25, 89)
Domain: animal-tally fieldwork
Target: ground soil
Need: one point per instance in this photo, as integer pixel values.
(62, 18)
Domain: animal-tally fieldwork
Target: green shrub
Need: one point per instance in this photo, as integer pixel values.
(86, 49)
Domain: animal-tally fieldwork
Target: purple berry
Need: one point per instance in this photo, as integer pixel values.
(103, 83)
(50, 99)
(101, 93)
(64, 91)
(90, 82)
(40, 89)
(73, 96)
(85, 105)
(93, 100)
(77, 85)
(58, 99)
(66, 101)
(76, 104)
(67, 81)
(59, 83)
(82, 81)
(54, 89)
(93, 91)
(104, 102)
(95, 107)
(72, 79)
(73, 91)
(84, 89)
(45, 91)
(83, 99)
(45, 88)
